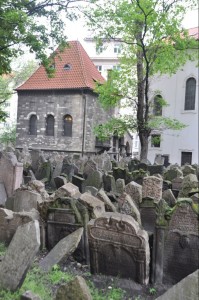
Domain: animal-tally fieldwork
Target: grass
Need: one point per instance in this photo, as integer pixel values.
(2, 249)
(43, 284)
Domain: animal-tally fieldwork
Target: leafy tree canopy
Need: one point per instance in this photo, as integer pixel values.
(33, 24)
(154, 42)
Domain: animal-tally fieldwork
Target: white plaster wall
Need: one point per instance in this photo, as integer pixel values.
(172, 90)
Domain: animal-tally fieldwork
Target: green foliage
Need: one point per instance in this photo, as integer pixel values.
(57, 276)
(8, 136)
(2, 249)
(152, 291)
(151, 34)
(112, 293)
(36, 25)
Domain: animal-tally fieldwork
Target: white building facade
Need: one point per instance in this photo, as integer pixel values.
(180, 91)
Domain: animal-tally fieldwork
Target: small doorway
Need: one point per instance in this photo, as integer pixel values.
(186, 157)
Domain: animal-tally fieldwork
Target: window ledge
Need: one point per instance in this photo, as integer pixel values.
(189, 111)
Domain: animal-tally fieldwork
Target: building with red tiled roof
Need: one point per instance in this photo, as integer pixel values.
(59, 113)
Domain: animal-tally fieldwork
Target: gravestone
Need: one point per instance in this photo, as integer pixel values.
(92, 190)
(135, 191)
(69, 169)
(127, 206)
(10, 221)
(79, 182)
(177, 183)
(89, 167)
(172, 172)
(159, 160)
(119, 247)
(109, 183)
(59, 181)
(181, 242)
(187, 169)
(94, 179)
(25, 200)
(152, 188)
(67, 190)
(148, 214)
(120, 185)
(93, 204)
(156, 169)
(19, 256)
(76, 289)
(109, 206)
(3, 195)
(62, 250)
(169, 197)
(189, 182)
(119, 173)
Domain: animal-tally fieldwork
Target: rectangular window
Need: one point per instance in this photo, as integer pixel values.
(117, 49)
(155, 140)
(118, 68)
(186, 157)
(99, 68)
(99, 49)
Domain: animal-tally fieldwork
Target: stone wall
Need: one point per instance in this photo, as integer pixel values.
(59, 103)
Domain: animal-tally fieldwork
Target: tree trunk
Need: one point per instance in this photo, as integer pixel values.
(144, 144)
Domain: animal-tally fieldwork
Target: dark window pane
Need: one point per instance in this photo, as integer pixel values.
(68, 124)
(157, 106)
(190, 94)
(33, 125)
(50, 121)
(186, 157)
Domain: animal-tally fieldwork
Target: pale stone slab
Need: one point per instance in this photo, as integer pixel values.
(3, 194)
(19, 255)
(93, 204)
(103, 197)
(67, 190)
(25, 200)
(62, 250)
(186, 289)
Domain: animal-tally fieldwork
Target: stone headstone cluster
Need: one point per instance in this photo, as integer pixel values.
(116, 217)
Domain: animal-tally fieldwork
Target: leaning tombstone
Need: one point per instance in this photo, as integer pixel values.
(19, 256)
(152, 188)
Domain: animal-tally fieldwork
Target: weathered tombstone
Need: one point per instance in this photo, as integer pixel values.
(69, 169)
(109, 183)
(127, 206)
(118, 173)
(172, 172)
(92, 190)
(135, 191)
(44, 171)
(159, 159)
(133, 164)
(25, 200)
(11, 172)
(168, 196)
(107, 202)
(35, 157)
(181, 242)
(10, 221)
(187, 289)
(94, 179)
(148, 214)
(60, 181)
(156, 169)
(62, 250)
(93, 204)
(76, 289)
(187, 169)
(143, 166)
(152, 188)
(79, 182)
(19, 256)
(120, 185)
(3, 195)
(189, 182)
(177, 183)
(89, 167)
(67, 190)
(119, 247)
(56, 171)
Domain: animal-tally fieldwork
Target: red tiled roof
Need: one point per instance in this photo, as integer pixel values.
(194, 32)
(82, 74)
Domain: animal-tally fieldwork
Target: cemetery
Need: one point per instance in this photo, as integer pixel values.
(129, 222)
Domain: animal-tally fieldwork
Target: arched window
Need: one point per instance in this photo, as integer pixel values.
(157, 106)
(67, 124)
(33, 125)
(190, 94)
(50, 122)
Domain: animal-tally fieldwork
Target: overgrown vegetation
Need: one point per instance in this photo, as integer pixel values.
(8, 136)
(45, 284)
(2, 249)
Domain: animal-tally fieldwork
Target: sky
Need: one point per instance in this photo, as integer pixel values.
(76, 30)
